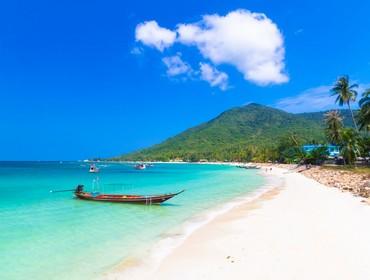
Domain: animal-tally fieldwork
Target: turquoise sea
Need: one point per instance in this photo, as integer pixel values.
(50, 236)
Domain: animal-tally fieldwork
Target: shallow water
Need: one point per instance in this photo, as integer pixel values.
(47, 235)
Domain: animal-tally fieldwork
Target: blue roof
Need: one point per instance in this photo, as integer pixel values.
(333, 150)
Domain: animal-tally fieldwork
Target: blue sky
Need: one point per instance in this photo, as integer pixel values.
(81, 79)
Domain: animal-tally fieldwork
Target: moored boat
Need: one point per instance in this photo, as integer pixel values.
(249, 166)
(123, 198)
(93, 169)
(140, 166)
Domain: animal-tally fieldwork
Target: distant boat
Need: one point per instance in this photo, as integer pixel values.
(93, 169)
(140, 166)
(249, 166)
(123, 198)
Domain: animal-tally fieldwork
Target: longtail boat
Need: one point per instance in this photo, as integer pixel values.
(123, 198)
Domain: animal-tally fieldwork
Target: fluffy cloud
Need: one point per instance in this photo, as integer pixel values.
(151, 34)
(213, 76)
(249, 41)
(176, 66)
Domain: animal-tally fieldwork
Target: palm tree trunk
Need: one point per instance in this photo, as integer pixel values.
(353, 117)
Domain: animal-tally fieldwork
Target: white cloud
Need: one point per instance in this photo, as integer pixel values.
(151, 34)
(136, 51)
(176, 66)
(213, 76)
(299, 31)
(249, 41)
(314, 99)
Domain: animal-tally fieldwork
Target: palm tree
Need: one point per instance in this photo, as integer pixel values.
(334, 123)
(345, 93)
(364, 115)
(365, 100)
(350, 145)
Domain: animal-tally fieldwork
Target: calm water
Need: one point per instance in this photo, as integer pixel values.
(47, 235)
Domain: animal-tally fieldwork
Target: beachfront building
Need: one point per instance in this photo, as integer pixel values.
(333, 150)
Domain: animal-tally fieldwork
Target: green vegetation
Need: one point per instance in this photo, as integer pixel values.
(316, 156)
(260, 133)
(364, 115)
(319, 116)
(352, 142)
(250, 133)
(346, 94)
(334, 124)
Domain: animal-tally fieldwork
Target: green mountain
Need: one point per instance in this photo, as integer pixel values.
(235, 134)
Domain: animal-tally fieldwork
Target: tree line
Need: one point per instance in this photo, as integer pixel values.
(353, 142)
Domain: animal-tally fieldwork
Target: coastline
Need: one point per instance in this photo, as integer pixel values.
(317, 235)
(148, 261)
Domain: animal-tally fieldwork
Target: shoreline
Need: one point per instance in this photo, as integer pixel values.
(211, 249)
(129, 268)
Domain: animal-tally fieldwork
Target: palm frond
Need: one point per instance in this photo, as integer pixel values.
(365, 98)
(353, 86)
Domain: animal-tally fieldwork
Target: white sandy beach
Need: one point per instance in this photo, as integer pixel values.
(302, 230)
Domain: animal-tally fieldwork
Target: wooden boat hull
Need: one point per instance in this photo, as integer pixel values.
(118, 198)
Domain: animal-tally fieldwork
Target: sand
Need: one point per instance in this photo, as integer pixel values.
(300, 230)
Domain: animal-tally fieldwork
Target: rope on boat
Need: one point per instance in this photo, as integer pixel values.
(56, 191)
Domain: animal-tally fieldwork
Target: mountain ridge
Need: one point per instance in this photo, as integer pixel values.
(225, 137)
